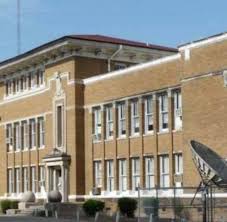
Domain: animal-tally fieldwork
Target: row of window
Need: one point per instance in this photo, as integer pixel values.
(25, 134)
(148, 116)
(18, 179)
(24, 83)
(149, 171)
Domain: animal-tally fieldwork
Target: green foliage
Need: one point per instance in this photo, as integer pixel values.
(178, 207)
(127, 206)
(151, 206)
(14, 204)
(92, 206)
(8, 204)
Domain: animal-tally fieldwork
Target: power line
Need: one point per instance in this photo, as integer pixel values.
(18, 28)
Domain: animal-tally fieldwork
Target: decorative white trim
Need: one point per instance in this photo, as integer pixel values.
(131, 70)
(204, 42)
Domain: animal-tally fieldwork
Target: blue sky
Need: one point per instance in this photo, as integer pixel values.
(163, 22)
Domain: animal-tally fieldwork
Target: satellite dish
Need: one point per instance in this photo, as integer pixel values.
(212, 168)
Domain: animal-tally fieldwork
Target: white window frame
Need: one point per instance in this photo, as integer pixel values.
(178, 163)
(9, 137)
(163, 112)
(17, 136)
(149, 172)
(164, 171)
(148, 115)
(33, 179)
(177, 97)
(135, 118)
(110, 175)
(24, 135)
(25, 179)
(122, 169)
(32, 132)
(10, 180)
(121, 109)
(98, 173)
(97, 128)
(42, 176)
(17, 179)
(109, 122)
(41, 132)
(135, 172)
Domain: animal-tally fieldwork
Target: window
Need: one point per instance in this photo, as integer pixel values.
(10, 182)
(17, 178)
(118, 66)
(149, 172)
(121, 120)
(97, 124)
(25, 179)
(178, 160)
(163, 112)
(135, 122)
(39, 78)
(177, 110)
(109, 175)
(41, 132)
(32, 123)
(135, 173)
(122, 175)
(17, 136)
(98, 173)
(164, 171)
(109, 122)
(60, 125)
(9, 137)
(24, 135)
(33, 179)
(42, 176)
(148, 115)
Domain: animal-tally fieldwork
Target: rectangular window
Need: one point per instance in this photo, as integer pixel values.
(148, 115)
(10, 181)
(59, 126)
(17, 136)
(33, 80)
(24, 135)
(97, 128)
(177, 110)
(32, 124)
(39, 78)
(18, 87)
(8, 88)
(109, 175)
(9, 137)
(163, 112)
(149, 172)
(25, 179)
(135, 173)
(42, 176)
(122, 175)
(33, 179)
(98, 173)
(109, 122)
(164, 170)
(178, 160)
(135, 121)
(121, 120)
(41, 132)
(17, 179)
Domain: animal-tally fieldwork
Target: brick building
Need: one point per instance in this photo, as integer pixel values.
(86, 112)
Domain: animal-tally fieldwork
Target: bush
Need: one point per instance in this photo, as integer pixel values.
(151, 206)
(92, 206)
(14, 204)
(5, 205)
(127, 206)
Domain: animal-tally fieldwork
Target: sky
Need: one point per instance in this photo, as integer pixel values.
(162, 22)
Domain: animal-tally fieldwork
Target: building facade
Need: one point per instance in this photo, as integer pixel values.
(85, 112)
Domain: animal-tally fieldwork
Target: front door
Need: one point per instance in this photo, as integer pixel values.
(56, 179)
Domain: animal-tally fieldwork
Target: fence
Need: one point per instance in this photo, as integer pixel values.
(181, 204)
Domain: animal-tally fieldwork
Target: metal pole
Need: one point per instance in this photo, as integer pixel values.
(211, 204)
(174, 202)
(18, 28)
(204, 206)
(138, 218)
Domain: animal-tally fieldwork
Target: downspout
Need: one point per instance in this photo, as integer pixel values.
(112, 56)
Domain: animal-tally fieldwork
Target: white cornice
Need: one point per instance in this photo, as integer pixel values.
(131, 70)
(204, 42)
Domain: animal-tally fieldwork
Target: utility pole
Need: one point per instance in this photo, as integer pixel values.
(18, 28)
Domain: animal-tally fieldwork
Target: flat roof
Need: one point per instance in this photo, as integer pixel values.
(94, 38)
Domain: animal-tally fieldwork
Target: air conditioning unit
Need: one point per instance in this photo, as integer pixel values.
(178, 112)
(96, 191)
